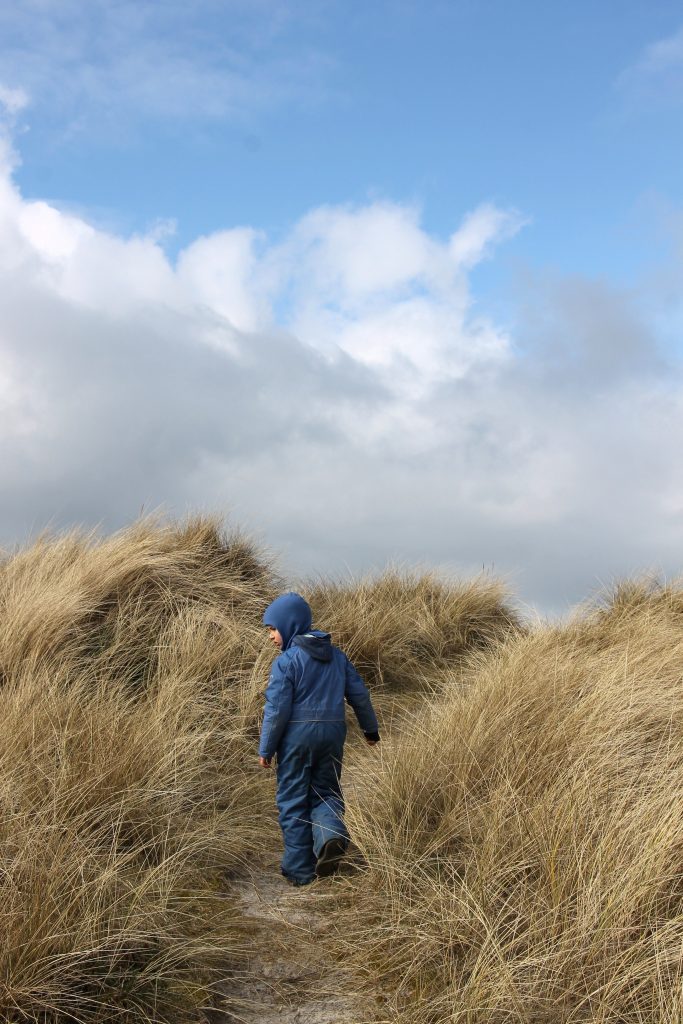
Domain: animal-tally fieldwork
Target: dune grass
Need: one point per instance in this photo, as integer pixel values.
(403, 630)
(524, 837)
(127, 784)
(520, 829)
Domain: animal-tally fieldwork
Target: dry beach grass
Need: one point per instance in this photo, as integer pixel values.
(404, 630)
(524, 841)
(126, 785)
(520, 839)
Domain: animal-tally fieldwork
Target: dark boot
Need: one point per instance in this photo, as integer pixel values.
(330, 855)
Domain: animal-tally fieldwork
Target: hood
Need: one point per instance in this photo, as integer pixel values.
(290, 615)
(315, 643)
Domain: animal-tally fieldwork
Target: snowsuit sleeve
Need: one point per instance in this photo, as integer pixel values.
(356, 694)
(278, 707)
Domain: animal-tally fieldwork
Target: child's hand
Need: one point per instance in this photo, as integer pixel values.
(265, 762)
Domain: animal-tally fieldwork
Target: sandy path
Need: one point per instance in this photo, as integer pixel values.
(287, 978)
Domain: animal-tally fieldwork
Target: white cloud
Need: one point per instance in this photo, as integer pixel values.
(218, 272)
(656, 77)
(13, 100)
(104, 64)
(371, 282)
(480, 231)
(337, 391)
(356, 253)
(662, 56)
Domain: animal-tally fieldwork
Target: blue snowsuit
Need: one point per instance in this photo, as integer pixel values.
(304, 723)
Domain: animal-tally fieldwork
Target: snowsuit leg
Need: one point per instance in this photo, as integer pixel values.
(327, 800)
(293, 799)
(309, 796)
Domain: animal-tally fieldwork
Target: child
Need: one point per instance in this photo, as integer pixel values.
(304, 724)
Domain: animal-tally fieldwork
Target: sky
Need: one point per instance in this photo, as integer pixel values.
(381, 283)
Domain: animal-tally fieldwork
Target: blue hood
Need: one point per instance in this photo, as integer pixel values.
(290, 615)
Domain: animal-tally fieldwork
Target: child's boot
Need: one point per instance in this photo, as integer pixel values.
(330, 855)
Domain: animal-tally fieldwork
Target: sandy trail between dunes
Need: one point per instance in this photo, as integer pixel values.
(287, 979)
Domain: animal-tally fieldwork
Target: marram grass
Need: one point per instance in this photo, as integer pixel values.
(524, 838)
(127, 786)
(519, 830)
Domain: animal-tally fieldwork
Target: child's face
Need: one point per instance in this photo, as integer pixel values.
(275, 636)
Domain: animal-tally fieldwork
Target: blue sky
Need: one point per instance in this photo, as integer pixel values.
(453, 230)
(256, 112)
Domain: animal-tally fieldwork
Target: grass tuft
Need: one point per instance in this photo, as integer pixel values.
(404, 629)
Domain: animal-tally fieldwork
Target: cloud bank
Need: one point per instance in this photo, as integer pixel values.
(339, 391)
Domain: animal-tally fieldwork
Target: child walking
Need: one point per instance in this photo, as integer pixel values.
(304, 724)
